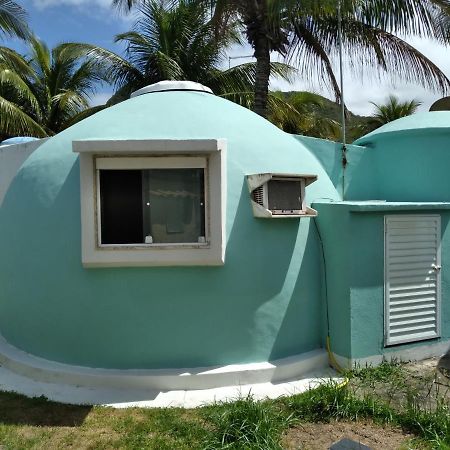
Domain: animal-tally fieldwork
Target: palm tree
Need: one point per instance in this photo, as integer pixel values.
(307, 115)
(250, 7)
(309, 35)
(393, 109)
(45, 91)
(13, 19)
(307, 32)
(176, 41)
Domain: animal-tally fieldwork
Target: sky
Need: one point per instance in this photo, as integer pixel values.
(95, 22)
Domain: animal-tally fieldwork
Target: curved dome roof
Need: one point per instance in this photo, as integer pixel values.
(419, 121)
(254, 143)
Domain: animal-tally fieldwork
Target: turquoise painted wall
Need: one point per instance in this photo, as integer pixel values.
(354, 249)
(264, 303)
(360, 176)
(405, 166)
(405, 161)
(329, 155)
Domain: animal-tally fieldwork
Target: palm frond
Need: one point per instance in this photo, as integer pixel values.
(15, 122)
(312, 57)
(14, 61)
(18, 90)
(125, 5)
(367, 47)
(13, 19)
(113, 67)
(241, 78)
(83, 115)
(393, 109)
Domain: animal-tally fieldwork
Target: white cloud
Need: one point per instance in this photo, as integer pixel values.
(101, 9)
(100, 98)
(42, 4)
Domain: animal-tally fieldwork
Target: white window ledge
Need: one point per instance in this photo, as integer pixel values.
(153, 146)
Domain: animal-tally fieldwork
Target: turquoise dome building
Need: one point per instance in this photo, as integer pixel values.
(177, 233)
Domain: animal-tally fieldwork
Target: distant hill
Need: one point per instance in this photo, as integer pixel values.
(357, 125)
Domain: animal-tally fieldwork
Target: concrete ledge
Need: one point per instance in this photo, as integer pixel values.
(399, 353)
(376, 206)
(39, 369)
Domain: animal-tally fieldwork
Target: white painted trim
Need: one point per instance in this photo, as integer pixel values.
(149, 146)
(416, 353)
(40, 369)
(172, 85)
(211, 151)
(159, 162)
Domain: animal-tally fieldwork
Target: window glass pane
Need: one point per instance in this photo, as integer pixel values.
(174, 205)
(152, 206)
(121, 206)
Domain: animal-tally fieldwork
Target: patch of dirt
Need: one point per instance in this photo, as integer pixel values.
(320, 436)
(421, 381)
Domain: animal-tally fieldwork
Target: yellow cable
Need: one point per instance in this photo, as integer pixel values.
(335, 364)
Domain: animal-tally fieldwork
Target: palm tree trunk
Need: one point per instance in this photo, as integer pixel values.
(262, 55)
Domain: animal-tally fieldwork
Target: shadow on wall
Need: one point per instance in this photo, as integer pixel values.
(301, 329)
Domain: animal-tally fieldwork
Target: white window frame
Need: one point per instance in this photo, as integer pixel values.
(209, 154)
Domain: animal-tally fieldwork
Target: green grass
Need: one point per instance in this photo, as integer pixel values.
(243, 424)
(246, 424)
(333, 402)
(386, 372)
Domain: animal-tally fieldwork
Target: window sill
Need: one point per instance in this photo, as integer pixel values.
(152, 246)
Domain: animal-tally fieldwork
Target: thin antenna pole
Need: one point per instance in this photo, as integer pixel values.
(230, 58)
(341, 75)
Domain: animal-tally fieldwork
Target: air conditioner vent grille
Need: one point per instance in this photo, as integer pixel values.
(258, 195)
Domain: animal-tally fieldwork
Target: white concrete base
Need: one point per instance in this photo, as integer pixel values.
(33, 376)
(127, 398)
(398, 353)
(165, 379)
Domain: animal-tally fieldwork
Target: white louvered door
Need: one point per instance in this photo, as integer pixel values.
(412, 278)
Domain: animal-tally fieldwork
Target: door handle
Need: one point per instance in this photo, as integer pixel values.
(436, 267)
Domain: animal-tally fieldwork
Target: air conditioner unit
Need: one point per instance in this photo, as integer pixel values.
(278, 195)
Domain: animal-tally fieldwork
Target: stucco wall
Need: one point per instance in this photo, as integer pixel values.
(264, 303)
(405, 166)
(411, 165)
(360, 176)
